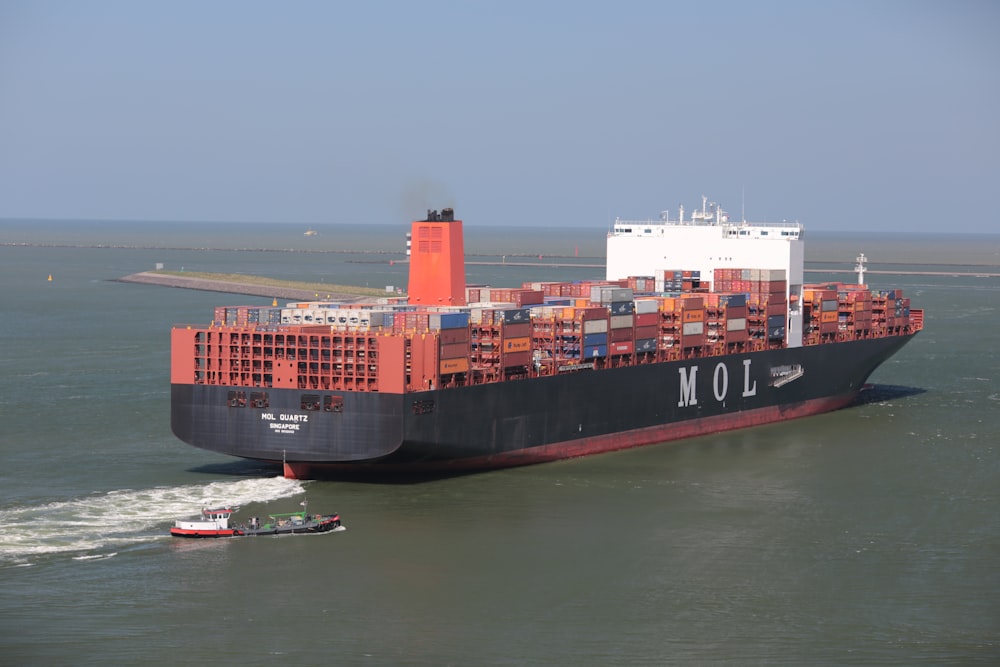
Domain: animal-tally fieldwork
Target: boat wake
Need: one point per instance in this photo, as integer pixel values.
(94, 527)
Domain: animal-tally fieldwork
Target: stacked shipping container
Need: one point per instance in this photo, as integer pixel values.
(538, 329)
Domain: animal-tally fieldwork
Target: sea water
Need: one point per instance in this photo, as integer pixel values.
(865, 536)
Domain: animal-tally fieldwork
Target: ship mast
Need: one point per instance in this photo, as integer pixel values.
(860, 267)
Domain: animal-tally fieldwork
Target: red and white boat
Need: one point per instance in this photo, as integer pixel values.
(213, 523)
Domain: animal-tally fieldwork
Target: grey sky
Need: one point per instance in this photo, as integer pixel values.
(842, 115)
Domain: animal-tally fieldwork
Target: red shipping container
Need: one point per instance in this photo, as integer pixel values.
(598, 313)
(692, 302)
(616, 335)
(647, 319)
(773, 286)
(645, 332)
(517, 359)
(776, 309)
(454, 351)
(621, 348)
(696, 340)
(450, 336)
(736, 312)
(738, 336)
(519, 330)
(527, 297)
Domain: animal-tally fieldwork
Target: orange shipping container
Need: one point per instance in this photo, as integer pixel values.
(516, 345)
(694, 315)
(454, 365)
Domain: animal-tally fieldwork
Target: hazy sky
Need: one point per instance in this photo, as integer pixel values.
(873, 115)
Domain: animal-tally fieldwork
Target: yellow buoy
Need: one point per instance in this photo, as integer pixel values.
(50, 277)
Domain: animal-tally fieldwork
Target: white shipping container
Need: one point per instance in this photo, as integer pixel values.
(736, 324)
(643, 306)
(610, 294)
(595, 326)
(378, 317)
(302, 316)
(693, 328)
(543, 312)
(768, 275)
(622, 321)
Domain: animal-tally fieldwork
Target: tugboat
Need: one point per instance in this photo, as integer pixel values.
(215, 523)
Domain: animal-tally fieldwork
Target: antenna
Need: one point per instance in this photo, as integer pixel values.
(860, 268)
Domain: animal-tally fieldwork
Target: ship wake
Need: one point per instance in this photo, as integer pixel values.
(96, 527)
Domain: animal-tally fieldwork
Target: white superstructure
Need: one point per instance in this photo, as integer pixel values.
(709, 240)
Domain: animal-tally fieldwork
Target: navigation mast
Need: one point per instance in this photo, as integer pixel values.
(860, 267)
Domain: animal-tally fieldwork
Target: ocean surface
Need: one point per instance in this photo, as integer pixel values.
(867, 536)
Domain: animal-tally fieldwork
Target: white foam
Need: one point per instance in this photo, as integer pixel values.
(123, 517)
(96, 556)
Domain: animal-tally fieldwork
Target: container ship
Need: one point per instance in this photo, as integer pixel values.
(700, 325)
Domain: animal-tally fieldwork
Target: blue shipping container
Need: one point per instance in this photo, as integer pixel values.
(733, 300)
(515, 316)
(622, 307)
(454, 320)
(645, 345)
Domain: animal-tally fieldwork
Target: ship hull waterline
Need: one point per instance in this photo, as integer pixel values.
(529, 421)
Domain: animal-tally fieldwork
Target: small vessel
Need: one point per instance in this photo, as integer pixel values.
(212, 523)
(215, 523)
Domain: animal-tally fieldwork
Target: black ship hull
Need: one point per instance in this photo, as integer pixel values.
(527, 421)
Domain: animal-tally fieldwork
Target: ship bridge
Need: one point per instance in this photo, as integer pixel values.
(706, 241)
(770, 231)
